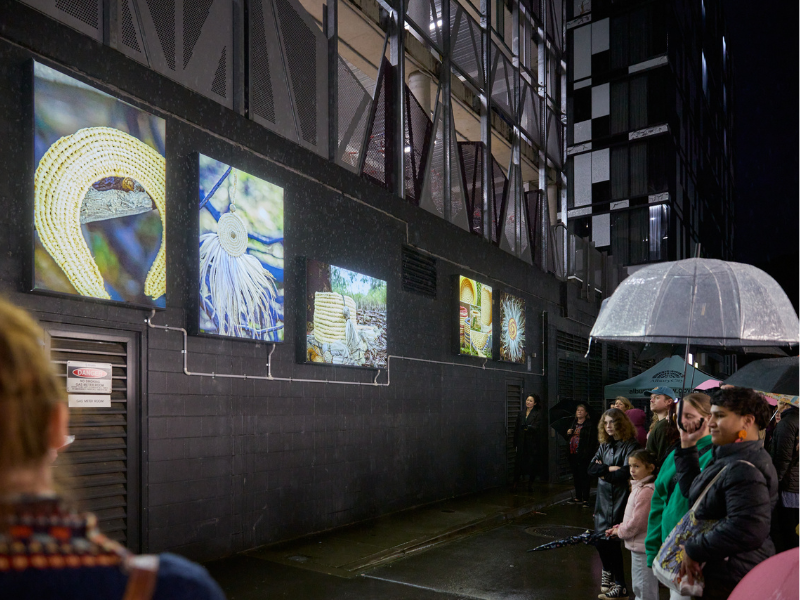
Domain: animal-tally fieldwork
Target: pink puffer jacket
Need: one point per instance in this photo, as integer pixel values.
(633, 529)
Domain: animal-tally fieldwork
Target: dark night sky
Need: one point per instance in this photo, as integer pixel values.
(763, 43)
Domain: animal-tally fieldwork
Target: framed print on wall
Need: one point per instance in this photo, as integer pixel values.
(99, 194)
(511, 329)
(241, 290)
(475, 326)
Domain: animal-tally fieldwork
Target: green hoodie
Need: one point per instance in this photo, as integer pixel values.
(669, 505)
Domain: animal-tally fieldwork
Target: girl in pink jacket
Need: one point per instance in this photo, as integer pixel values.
(633, 528)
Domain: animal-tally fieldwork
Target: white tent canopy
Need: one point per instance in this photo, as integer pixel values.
(667, 373)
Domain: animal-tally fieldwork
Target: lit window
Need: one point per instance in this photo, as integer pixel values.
(724, 53)
(705, 73)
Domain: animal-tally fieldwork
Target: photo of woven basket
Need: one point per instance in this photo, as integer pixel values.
(478, 339)
(486, 306)
(329, 319)
(63, 177)
(467, 292)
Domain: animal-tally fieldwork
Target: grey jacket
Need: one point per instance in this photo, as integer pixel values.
(741, 501)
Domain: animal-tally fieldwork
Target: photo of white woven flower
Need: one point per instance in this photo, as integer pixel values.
(241, 253)
(512, 328)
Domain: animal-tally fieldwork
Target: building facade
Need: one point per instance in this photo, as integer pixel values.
(650, 120)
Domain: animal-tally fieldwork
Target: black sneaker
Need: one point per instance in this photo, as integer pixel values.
(606, 584)
(618, 592)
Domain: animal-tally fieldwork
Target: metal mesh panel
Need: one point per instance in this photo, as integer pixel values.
(218, 85)
(128, 31)
(509, 220)
(262, 102)
(301, 59)
(456, 179)
(436, 171)
(195, 13)
(353, 104)
(524, 235)
(163, 13)
(471, 157)
(502, 81)
(417, 141)
(533, 211)
(427, 15)
(83, 10)
(531, 109)
(554, 139)
(466, 44)
(500, 195)
(379, 148)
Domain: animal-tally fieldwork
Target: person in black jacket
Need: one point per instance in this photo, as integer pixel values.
(617, 437)
(785, 458)
(528, 439)
(740, 501)
(582, 445)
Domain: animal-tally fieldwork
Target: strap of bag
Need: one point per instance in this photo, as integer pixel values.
(143, 572)
(713, 481)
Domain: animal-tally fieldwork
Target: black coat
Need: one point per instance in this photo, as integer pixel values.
(741, 501)
(530, 434)
(612, 488)
(784, 451)
(587, 441)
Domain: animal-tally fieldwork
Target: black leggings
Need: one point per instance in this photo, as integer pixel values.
(580, 477)
(611, 556)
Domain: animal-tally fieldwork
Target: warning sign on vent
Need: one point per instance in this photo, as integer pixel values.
(88, 377)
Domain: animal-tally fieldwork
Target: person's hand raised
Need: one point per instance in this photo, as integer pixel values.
(691, 431)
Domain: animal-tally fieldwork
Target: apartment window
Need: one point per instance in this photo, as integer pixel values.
(658, 162)
(499, 16)
(659, 230)
(620, 176)
(638, 169)
(619, 107)
(638, 102)
(630, 236)
(619, 42)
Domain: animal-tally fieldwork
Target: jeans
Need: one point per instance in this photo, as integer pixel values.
(611, 556)
(643, 581)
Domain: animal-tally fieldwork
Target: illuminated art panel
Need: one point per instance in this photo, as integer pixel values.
(345, 317)
(475, 318)
(512, 328)
(241, 254)
(100, 197)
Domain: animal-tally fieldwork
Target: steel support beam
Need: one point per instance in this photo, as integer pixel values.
(444, 79)
(486, 119)
(330, 16)
(397, 58)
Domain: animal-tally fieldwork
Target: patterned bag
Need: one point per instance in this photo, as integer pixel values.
(667, 564)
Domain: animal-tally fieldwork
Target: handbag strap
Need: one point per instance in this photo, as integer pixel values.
(713, 481)
(142, 575)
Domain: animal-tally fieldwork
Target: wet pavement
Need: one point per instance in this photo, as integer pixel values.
(483, 557)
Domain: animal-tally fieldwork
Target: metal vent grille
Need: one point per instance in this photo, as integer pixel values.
(419, 273)
(163, 13)
(262, 101)
(417, 144)
(128, 30)
(379, 148)
(195, 13)
(471, 157)
(353, 103)
(83, 10)
(98, 460)
(218, 85)
(301, 59)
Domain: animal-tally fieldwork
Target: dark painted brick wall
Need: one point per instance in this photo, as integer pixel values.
(232, 464)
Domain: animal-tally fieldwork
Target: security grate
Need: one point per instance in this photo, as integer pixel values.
(83, 10)
(419, 273)
(353, 102)
(262, 102)
(218, 85)
(513, 406)
(417, 145)
(378, 155)
(163, 13)
(98, 473)
(301, 59)
(128, 31)
(471, 157)
(195, 13)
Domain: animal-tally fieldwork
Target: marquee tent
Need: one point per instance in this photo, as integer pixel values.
(667, 373)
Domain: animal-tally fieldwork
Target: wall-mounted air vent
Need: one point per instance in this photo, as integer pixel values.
(419, 273)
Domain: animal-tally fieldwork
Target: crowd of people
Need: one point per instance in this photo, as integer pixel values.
(711, 450)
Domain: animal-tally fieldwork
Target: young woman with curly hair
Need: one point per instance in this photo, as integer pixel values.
(617, 437)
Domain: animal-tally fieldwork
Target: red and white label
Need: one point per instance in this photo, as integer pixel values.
(86, 377)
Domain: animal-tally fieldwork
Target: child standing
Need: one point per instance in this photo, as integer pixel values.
(633, 528)
(617, 437)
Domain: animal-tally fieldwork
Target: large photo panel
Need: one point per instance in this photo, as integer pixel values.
(241, 254)
(345, 317)
(475, 318)
(99, 194)
(512, 328)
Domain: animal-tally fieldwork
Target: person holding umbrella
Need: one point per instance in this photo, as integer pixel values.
(582, 445)
(739, 503)
(663, 430)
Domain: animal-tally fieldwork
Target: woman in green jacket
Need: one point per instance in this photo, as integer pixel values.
(668, 504)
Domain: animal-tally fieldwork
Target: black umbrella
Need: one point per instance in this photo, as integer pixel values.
(564, 408)
(588, 537)
(562, 425)
(776, 375)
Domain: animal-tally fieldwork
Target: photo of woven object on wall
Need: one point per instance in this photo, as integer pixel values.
(99, 194)
(345, 317)
(241, 254)
(475, 318)
(512, 328)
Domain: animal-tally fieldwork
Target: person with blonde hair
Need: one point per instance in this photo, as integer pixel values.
(669, 503)
(617, 437)
(49, 550)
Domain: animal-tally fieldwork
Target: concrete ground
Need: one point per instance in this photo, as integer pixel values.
(465, 548)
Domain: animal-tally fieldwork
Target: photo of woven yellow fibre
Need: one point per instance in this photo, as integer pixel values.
(467, 293)
(64, 175)
(329, 319)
